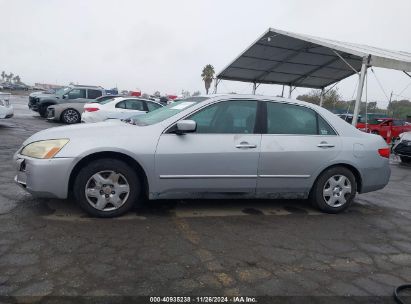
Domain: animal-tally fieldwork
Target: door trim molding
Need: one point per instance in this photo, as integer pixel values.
(205, 176)
(231, 176)
(284, 176)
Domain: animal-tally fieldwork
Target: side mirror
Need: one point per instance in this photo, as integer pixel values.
(186, 126)
(65, 96)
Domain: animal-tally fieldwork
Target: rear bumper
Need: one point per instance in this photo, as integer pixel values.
(375, 178)
(92, 117)
(47, 178)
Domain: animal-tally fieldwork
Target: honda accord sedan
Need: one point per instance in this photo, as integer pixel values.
(217, 146)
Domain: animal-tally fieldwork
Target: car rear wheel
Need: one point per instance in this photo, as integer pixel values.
(70, 116)
(334, 190)
(405, 159)
(107, 188)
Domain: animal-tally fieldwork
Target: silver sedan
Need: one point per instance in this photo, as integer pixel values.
(218, 146)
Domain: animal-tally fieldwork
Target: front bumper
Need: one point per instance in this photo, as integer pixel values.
(51, 114)
(403, 148)
(46, 178)
(33, 104)
(6, 112)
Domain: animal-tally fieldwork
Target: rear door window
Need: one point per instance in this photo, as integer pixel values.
(93, 94)
(77, 93)
(283, 118)
(121, 105)
(133, 104)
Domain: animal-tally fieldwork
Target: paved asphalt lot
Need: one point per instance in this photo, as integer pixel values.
(50, 247)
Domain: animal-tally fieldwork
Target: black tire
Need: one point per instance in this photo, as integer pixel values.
(84, 178)
(70, 116)
(405, 159)
(318, 198)
(375, 132)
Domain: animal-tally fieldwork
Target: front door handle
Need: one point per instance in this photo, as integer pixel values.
(245, 145)
(325, 144)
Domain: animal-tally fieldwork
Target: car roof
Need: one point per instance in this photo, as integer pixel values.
(120, 98)
(86, 86)
(262, 97)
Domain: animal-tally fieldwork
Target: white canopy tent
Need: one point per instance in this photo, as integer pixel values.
(296, 60)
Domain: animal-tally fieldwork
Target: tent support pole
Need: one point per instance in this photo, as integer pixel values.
(322, 97)
(254, 87)
(359, 92)
(291, 90)
(282, 92)
(215, 85)
(407, 74)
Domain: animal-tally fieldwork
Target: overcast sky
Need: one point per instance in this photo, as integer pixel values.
(163, 45)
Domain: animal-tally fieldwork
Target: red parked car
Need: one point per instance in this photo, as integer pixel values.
(384, 126)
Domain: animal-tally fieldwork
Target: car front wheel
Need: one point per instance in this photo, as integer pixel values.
(334, 190)
(107, 188)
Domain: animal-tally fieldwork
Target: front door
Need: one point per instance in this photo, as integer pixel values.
(297, 144)
(221, 156)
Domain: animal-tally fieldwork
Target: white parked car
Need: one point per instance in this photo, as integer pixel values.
(117, 108)
(6, 110)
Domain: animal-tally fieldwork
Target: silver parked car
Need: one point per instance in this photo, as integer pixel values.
(219, 146)
(69, 112)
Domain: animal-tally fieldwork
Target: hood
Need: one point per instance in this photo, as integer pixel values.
(83, 131)
(43, 95)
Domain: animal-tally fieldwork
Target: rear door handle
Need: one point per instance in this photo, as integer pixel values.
(325, 145)
(245, 145)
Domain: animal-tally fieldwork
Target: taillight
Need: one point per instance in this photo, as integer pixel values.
(384, 152)
(91, 109)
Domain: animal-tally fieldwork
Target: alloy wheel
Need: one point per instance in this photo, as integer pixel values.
(107, 190)
(337, 190)
(71, 116)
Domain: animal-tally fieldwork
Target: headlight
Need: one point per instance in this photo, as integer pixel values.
(44, 148)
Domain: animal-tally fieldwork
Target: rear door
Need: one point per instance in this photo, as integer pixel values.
(297, 143)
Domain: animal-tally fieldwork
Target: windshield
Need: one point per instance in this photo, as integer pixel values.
(166, 112)
(62, 91)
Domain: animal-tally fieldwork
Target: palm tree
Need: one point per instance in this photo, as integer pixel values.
(16, 79)
(208, 76)
(3, 75)
(11, 75)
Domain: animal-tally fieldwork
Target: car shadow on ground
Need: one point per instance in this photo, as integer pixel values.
(54, 209)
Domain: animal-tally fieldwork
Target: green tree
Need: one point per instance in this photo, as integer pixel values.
(331, 101)
(399, 108)
(3, 75)
(208, 76)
